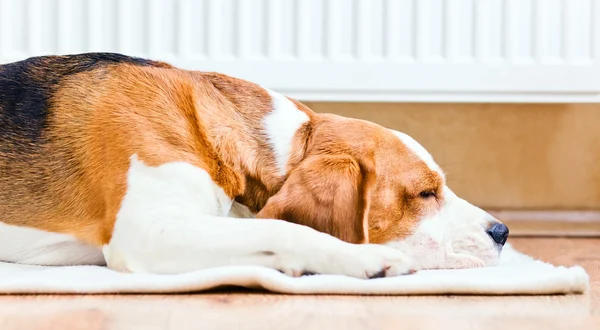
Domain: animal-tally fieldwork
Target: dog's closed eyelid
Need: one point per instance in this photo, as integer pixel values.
(427, 194)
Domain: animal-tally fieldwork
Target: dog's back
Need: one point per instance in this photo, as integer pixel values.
(34, 164)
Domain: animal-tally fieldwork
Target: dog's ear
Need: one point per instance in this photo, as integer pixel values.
(328, 193)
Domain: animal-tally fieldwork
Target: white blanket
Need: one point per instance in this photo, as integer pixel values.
(516, 274)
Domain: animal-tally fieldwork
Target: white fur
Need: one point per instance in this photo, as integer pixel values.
(240, 211)
(453, 237)
(171, 221)
(32, 246)
(419, 150)
(281, 124)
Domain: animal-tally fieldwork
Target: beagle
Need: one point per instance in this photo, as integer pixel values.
(138, 165)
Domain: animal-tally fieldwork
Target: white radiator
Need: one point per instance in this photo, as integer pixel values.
(345, 50)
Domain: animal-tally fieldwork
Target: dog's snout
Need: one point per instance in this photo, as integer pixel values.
(499, 233)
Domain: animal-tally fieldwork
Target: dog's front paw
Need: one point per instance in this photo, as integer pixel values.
(377, 261)
(361, 261)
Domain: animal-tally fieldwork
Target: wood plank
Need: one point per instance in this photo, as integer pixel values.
(550, 223)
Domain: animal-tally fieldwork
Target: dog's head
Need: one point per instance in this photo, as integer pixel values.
(365, 183)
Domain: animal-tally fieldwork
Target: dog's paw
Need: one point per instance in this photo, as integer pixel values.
(365, 261)
(379, 261)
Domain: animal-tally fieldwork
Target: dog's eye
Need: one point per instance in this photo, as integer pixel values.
(427, 194)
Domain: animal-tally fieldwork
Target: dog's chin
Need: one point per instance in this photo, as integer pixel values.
(468, 259)
(428, 253)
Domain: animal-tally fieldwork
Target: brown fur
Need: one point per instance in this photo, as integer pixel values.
(357, 182)
(101, 117)
(327, 192)
(350, 178)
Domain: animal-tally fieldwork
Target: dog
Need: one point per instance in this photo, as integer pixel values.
(107, 159)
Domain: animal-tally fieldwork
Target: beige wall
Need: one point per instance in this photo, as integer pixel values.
(508, 156)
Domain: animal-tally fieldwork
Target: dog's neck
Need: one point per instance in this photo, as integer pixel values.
(260, 175)
(234, 123)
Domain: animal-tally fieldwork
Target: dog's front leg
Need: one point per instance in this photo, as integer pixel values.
(170, 222)
(176, 245)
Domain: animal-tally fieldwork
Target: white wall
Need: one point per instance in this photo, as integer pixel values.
(375, 50)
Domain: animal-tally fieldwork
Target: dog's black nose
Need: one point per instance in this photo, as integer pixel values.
(499, 233)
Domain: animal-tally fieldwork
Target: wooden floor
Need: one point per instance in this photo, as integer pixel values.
(249, 310)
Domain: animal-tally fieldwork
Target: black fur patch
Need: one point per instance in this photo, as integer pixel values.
(26, 88)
